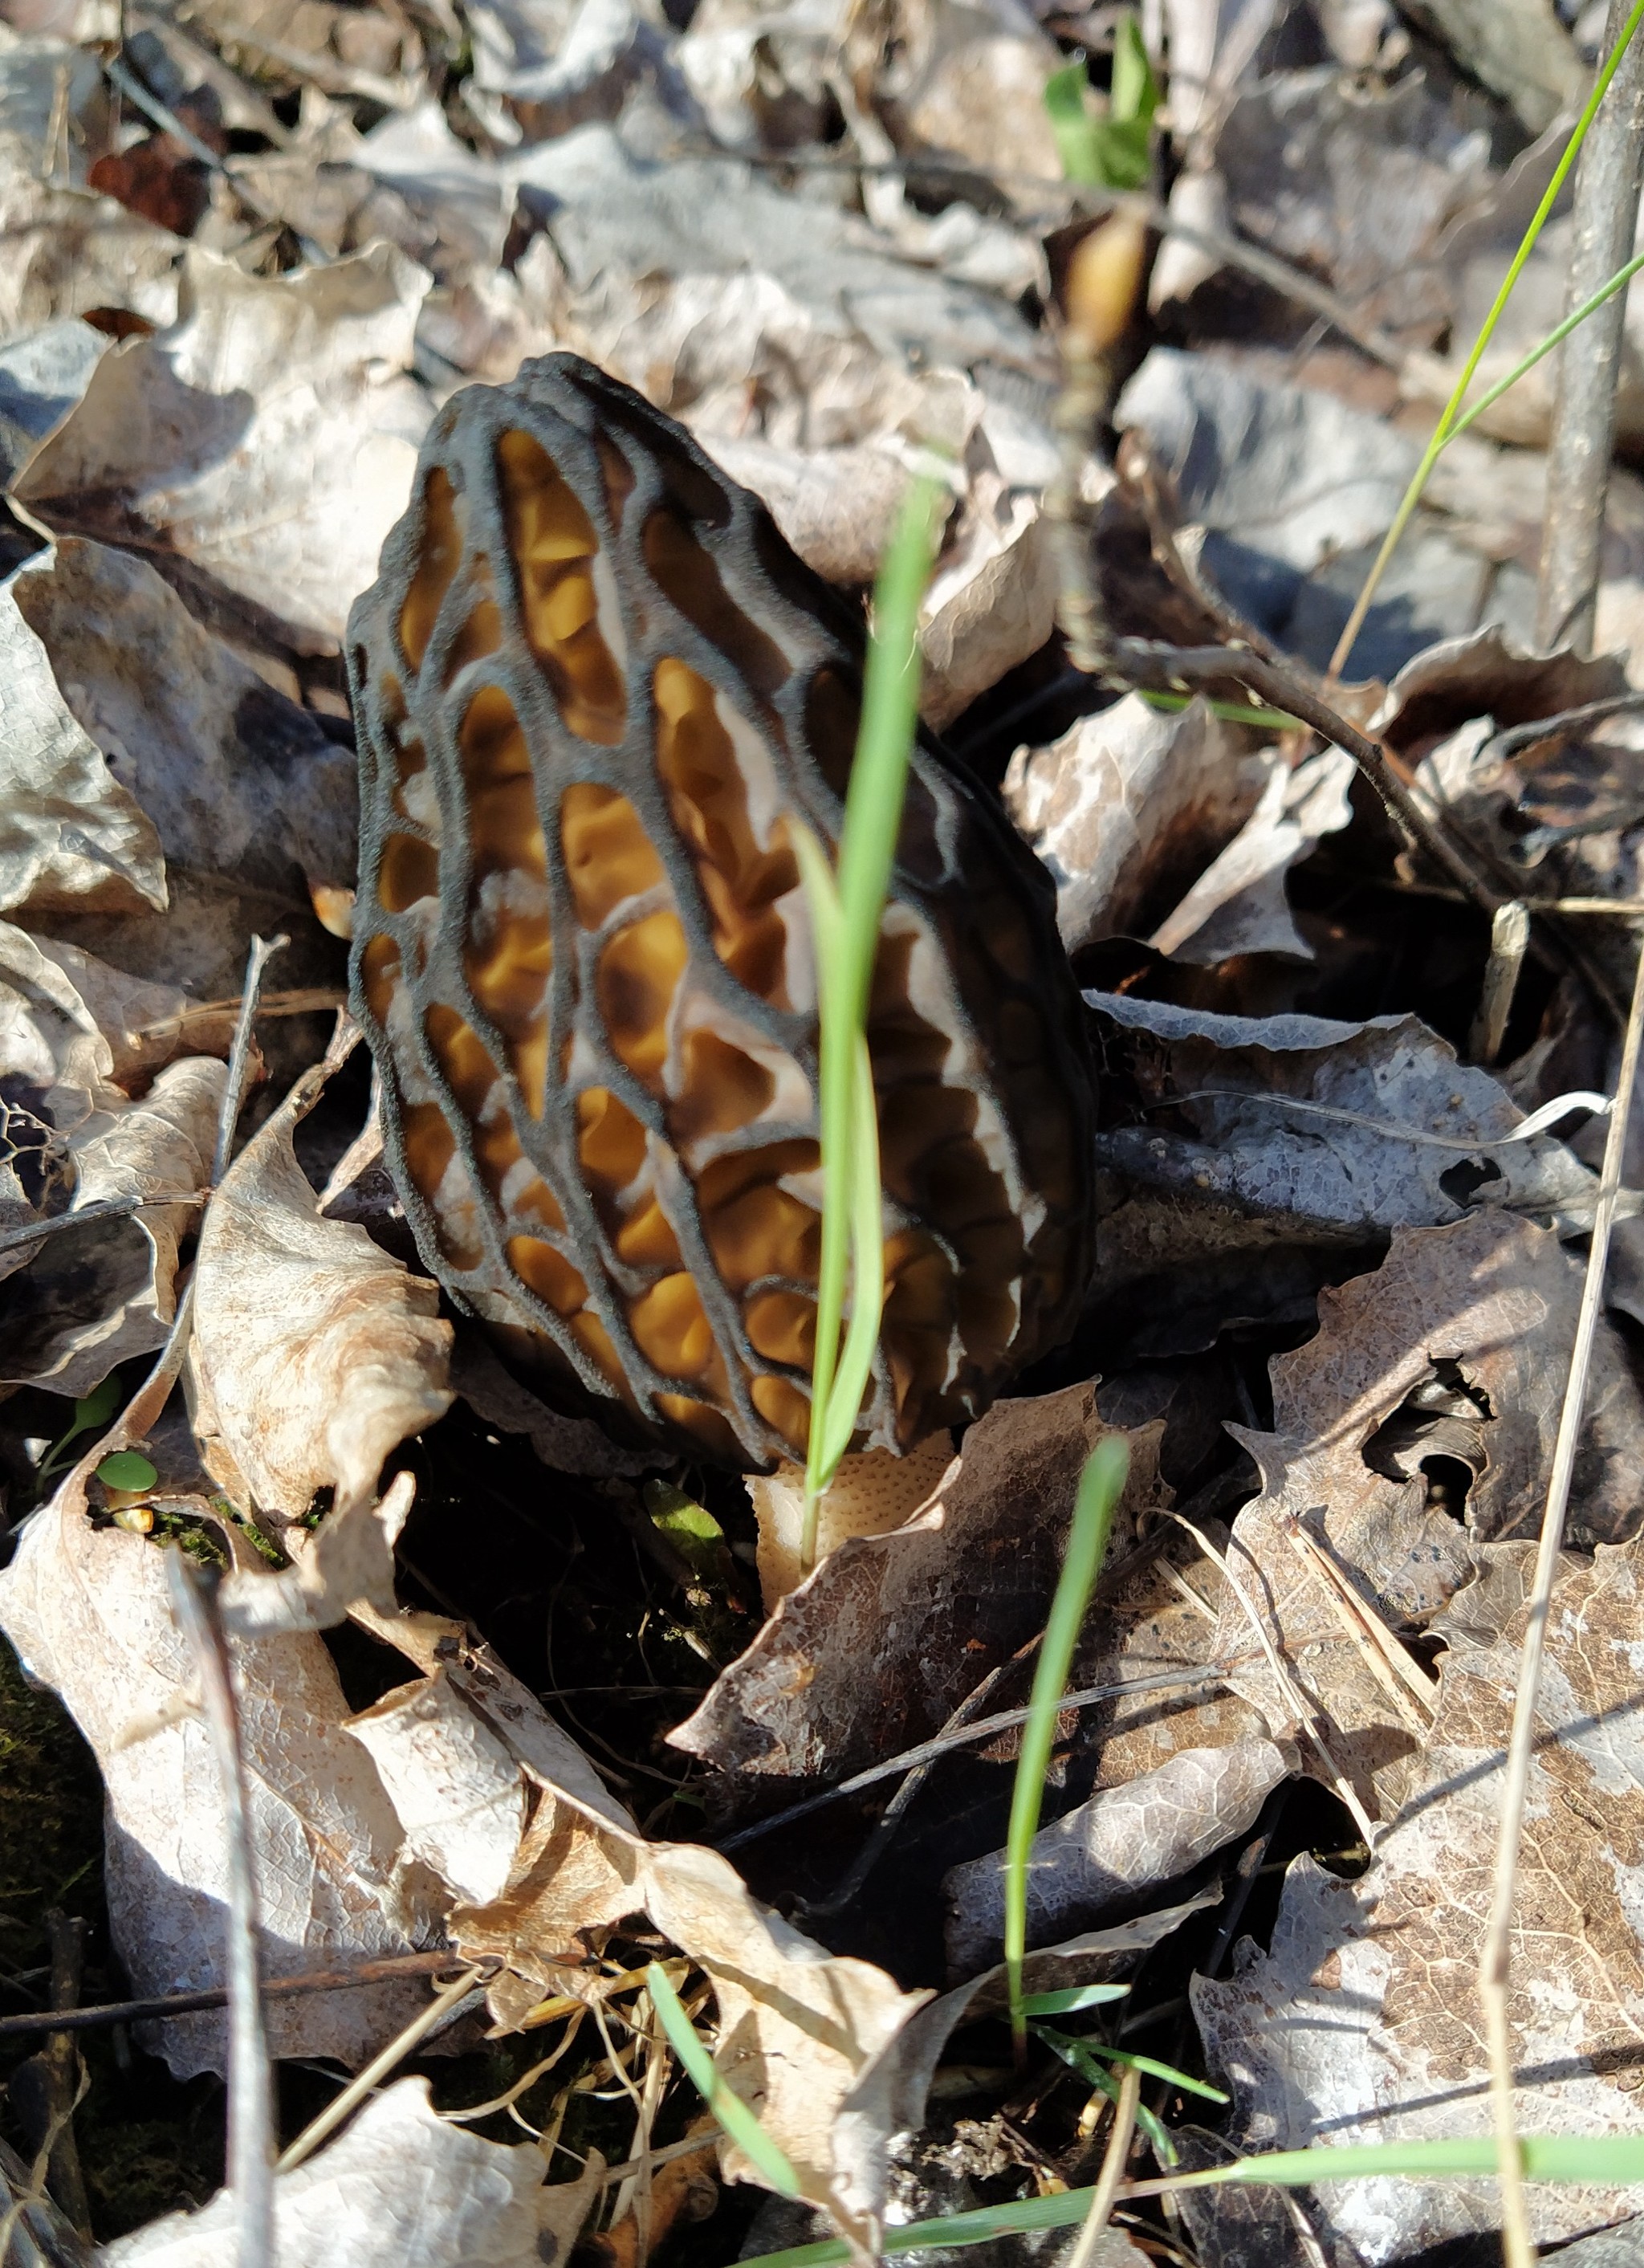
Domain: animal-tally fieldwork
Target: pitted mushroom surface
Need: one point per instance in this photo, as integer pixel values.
(592, 683)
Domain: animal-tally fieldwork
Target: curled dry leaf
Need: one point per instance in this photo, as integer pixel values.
(263, 445)
(467, 1749)
(314, 1353)
(89, 1298)
(1115, 1849)
(991, 602)
(878, 1647)
(239, 781)
(1362, 2023)
(1294, 490)
(399, 2185)
(88, 1611)
(1257, 1092)
(1123, 806)
(71, 837)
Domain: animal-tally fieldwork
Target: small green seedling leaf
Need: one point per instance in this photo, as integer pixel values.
(731, 2112)
(91, 1411)
(127, 1470)
(1082, 2055)
(1075, 1996)
(1111, 150)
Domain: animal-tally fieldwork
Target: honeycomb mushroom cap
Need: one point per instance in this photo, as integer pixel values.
(591, 683)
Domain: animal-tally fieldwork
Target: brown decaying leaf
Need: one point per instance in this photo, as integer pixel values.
(1127, 808)
(89, 1299)
(1487, 1309)
(797, 2026)
(1362, 2023)
(87, 1609)
(890, 1633)
(72, 837)
(1117, 1848)
(314, 1353)
(398, 2185)
(263, 444)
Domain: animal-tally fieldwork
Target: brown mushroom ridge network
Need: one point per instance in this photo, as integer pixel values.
(590, 682)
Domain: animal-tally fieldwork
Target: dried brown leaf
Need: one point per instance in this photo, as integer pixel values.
(1363, 2022)
(88, 1611)
(314, 1353)
(890, 1633)
(263, 444)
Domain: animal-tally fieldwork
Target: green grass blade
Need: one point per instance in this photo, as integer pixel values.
(1609, 2160)
(1090, 2059)
(1618, 282)
(1099, 1488)
(847, 944)
(868, 1268)
(1446, 427)
(731, 2112)
(1075, 1996)
(1236, 712)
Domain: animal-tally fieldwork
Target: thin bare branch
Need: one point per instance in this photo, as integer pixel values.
(1607, 182)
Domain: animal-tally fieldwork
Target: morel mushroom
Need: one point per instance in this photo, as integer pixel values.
(591, 682)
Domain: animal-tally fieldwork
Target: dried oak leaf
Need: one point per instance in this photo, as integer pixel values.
(1468, 1326)
(878, 1647)
(399, 2184)
(89, 1612)
(263, 446)
(1362, 2023)
(314, 1353)
(1126, 808)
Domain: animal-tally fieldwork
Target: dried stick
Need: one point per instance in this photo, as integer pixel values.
(1495, 1957)
(62, 2061)
(1113, 2164)
(1607, 183)
(250, 2084)
(391, 1969)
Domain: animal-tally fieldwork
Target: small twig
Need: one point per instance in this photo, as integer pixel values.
(1495, 1957)
(1113, 2164)
(262, 950)
(1607, 183)
(364, 2082)
(88, 1215)
(250, 2083)
(1349, 1610)
(161, 2005)
(63, 2069)
(1510, 942)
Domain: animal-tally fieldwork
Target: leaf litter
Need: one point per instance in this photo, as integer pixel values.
(549, 1706)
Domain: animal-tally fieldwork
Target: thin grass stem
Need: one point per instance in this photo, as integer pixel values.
(1099, 1487)
(845, 915)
